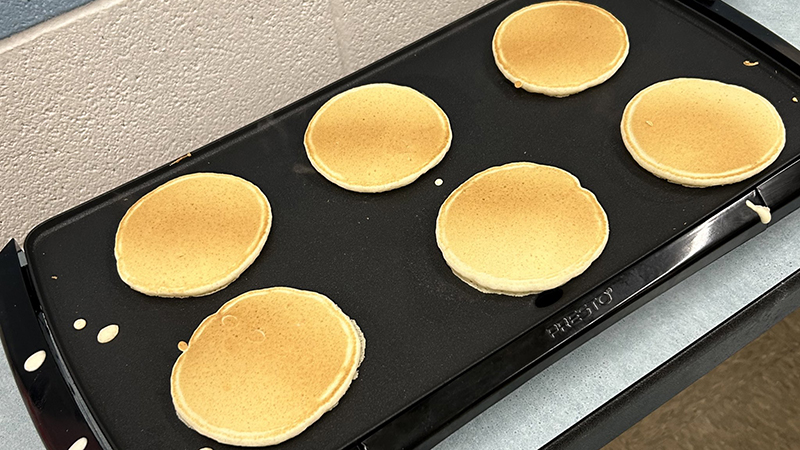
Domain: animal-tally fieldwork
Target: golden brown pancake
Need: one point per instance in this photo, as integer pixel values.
(520, 229)
(377, 137)
(701, 133)
(560, 48)
(192, 236)
(265, 366)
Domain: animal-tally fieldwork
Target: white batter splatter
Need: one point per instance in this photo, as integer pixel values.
(763, 211)
(80, 444)
(35, 361)
(107, 334)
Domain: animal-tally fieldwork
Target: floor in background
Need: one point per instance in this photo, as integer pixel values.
(751, 401)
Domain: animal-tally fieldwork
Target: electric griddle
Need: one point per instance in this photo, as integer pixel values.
(438, 352)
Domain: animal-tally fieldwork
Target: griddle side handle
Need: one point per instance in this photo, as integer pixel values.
(45, 392)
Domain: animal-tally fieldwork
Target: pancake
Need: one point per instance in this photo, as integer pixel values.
(192, 236)
(701, 133)
(377, 137)
(560, 48)
(265, 366)
(520, 229)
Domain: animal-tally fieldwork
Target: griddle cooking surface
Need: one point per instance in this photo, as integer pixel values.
(376, 255)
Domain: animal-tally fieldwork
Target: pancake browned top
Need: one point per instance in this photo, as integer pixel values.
(699, 132)
(560, 48)
(520, 229)
(377, 137)
(267, 365)
(192, 236)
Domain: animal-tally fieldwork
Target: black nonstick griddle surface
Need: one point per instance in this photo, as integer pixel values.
(375, 254)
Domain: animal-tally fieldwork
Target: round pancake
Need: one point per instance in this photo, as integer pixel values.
(520, 229)
(192, 236)
(560, 48)
(377, 137)
(265, 366)
(701, 133)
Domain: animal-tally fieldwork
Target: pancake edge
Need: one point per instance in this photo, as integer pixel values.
(300, 427)
(373, 189)
(211, 287)
(490, 284)
(687, 179)
(559, 91)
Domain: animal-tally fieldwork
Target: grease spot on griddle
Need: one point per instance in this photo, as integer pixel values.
(108, 333)
(80, 444)
(79, 324)
(35, 361)
(548, 298)
(303, 169)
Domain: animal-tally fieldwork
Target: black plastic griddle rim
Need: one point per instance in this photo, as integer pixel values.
(630, 406)
(45, 392)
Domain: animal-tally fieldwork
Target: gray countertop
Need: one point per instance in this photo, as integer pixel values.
(571, 388)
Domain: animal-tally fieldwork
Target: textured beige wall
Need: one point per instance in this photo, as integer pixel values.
(113, 89)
